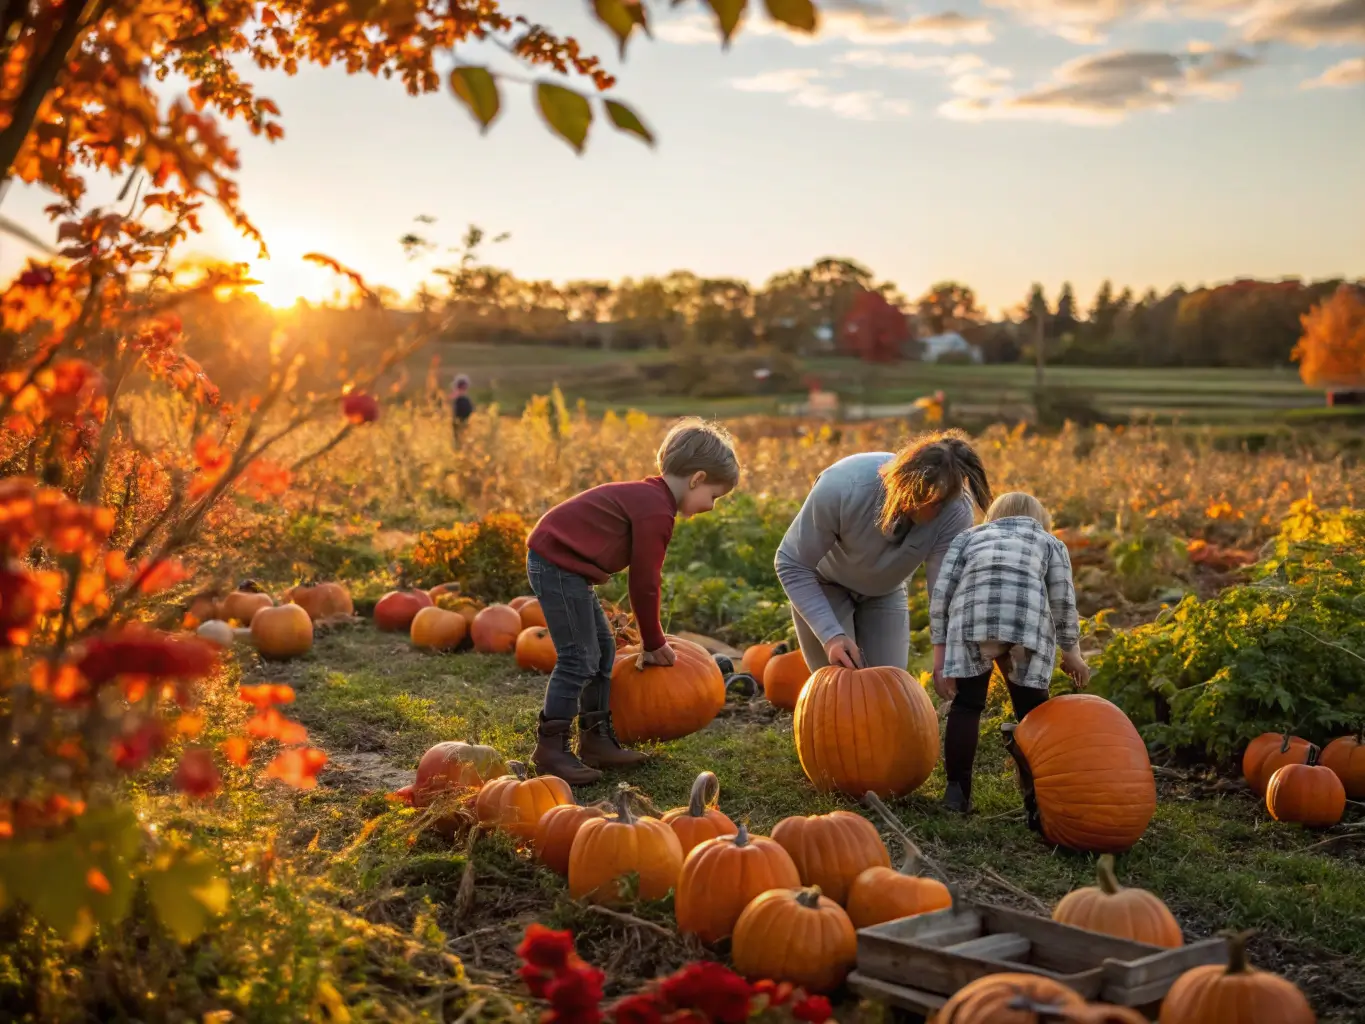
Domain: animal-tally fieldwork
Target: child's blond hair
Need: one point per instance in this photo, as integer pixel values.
(696, 446)
(1019, 503)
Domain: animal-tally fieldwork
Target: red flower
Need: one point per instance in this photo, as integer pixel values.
(535, 979)
(145, 652)
(576, 990)
(36, 277)
(643, 1008)
(197, 775)
(778, 992)
(813, 1010)
(132, 751)
(718, 992)
(545, 948)
(360, 407)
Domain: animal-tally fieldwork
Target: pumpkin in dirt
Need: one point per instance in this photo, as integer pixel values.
(797, 936)
(516, 801)
(495, 630)
(1235, 994)
(665, 702)
(531, 614)
(756, 657)
(1345, 755)
(555, 833)
(1113, 909)
(1306, 794)
(217, 631)
(1269, 752)
(241, 606)
(784, 677)
(282, 632)
(866, 729)
(437, 629)
(452, 766)
(535, 650)
(606, 850)
(395, 611)
(1087, 780)
(323, 601)
(880, 894)
(701, 819)
(987, 1000)
(722, 876)
(832, 850)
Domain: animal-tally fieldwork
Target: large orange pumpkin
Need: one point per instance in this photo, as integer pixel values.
(861, 730)
(605, 850)
(437, 629)
(831, 850)
(323, 601)
(987, 1000)
(1235, 994)
(722, 876)
(701, 819)
(495, 629)
(395, 611)
(514, 802)
(879, 894)
(535, 650)
(1345, 755)
(531, 614)
(1269, 752)
(1087, 780)
(784, 676)
(556, 831)
(1114, 909)
(454, 766)
(755, 658)
(797, 936)
(665, 702)
(1306, 794)
(285, 632)
(242, 605)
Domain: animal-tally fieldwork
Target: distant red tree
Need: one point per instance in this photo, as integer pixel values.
(874, 330)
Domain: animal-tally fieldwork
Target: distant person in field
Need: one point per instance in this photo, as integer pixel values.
(868, 523)
(583, 542)
(462, 406)
(1004, 597)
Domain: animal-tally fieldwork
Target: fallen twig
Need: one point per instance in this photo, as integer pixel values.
(913, 848)
(638, 922)
(1004, 883)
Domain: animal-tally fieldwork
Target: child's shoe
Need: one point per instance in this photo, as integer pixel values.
(553, 756)
(956, 798)
(598, 746)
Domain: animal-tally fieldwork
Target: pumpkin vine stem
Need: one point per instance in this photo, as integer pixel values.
(922, 860)
(808, 897)
(705, 792)
(1104, 875)
(741, 839)
(518, 769)
(1237, 950)
(621, 801)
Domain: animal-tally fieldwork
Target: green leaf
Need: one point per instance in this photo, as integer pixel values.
(477, 89)
(728, 13)
(799, 14)
(186, 891)
(627, 120)
(566, 112)
(621, 17)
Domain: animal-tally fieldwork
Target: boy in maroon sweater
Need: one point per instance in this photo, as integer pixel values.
(581, 543)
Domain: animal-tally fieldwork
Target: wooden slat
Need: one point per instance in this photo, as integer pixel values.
(903, 996)
(1060, 947)
(1003, 946)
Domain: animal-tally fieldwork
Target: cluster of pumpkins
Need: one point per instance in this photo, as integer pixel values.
(278, 631)
(1302, 783)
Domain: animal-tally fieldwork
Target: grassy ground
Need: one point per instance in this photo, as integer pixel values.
(1211, 851)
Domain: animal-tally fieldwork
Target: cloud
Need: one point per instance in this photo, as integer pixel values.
(862, 24)
(1086, 21)
(1102, 88)
(950, 65)
(1340, 75)
(803, 88)
(1309, 24)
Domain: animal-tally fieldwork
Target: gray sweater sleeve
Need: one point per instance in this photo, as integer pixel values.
(812, 533)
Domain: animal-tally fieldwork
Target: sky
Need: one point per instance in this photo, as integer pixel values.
(997, 143)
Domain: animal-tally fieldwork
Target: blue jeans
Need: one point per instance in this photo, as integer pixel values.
(584, 646)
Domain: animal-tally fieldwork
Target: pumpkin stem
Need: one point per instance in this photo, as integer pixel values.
(1313, 753)
(705, 793)
(808, 897)
(622, 803)
(1104, 874)
(742, 836)
(1284, 747)
(1237, 950)
(779, 648)
(518, 769)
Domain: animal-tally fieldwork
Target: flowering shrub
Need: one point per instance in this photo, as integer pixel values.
(487, 557)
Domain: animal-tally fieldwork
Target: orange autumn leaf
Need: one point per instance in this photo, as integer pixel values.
(115, 566)
(298, 767)
(96, 881)
(237, 749)
(161, 575)
(270, 724)
(264, 695)
(266, 479)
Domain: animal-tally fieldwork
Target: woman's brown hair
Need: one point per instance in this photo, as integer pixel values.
(932, 469)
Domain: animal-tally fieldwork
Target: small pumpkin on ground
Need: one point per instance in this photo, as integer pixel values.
(531, 614)
(395, 611)
(988, 1000)
(454, 765)
(495, 629)
(217, 631)
(243, 603)
(322, 601)
(797, 936)
(1212, 994)
(283, 632)
(1306, 794)
(515, 802)
(880, 894)
(437, 629)
(1114, 909)
(466, 606)
(535, 650)
(556, 831)
(517, 602)
(1345, 755)
(665, 702)
(701, 819)
(722, 876)
(784, 677)
(451, 589)
(831, 850)
(756, 657)
(607, 849)
(1268, 753)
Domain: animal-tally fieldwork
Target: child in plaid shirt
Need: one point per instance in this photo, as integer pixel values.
(1004, 597)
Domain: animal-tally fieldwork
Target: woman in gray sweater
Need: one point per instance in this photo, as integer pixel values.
(868, 523)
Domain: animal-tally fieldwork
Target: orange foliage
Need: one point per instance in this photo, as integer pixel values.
(1332, 349)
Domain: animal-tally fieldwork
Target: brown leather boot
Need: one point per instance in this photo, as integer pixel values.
(553, 756)
(598, 745)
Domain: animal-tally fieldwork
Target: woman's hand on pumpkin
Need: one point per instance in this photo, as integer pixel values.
(842, 651)
(663, 656)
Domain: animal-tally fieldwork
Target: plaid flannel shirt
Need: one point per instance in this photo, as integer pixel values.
(1007, 581)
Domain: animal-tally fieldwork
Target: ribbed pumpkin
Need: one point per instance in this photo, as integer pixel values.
(784, 676)
(535, 650)
(879, 894)
(1345, 755)
(1114, 909)
(1269, 752)
(665, 702)
(1306, 794)
(437, 629)
(556, 831)
(605, 850)
(701, 819)
(869, 729)
(1086, 1013)
(454, 766)
(722, 876)
(531, 614)
(395, 611)
(514, 802)
(831, 850)
(1235, 994)
(466, 606)
(797, 936)
(323, 601)
(285, 631)
(495, 630)
(1091, 777)
(756, 657)
(987, 1000)
(242, 605)
(517, 602)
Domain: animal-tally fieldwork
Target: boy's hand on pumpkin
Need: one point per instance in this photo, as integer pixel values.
(663, 656)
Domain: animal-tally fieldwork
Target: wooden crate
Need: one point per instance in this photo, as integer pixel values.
(917, 962)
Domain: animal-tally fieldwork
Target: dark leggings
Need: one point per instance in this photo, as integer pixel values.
(964, 722)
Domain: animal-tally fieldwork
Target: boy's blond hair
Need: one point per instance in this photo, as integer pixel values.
(695, 446)
(1019, 503)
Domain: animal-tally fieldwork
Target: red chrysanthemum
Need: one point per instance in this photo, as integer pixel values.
(643, 1008)
(545, 948)
(718, 992)
(146, 652)
(813, 1010)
